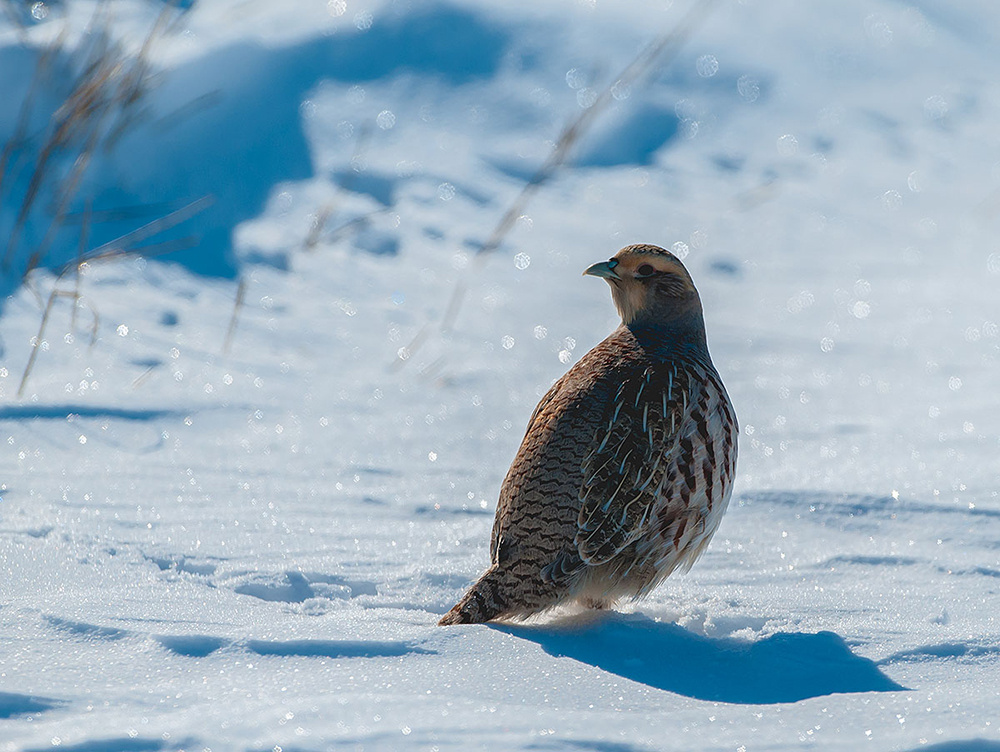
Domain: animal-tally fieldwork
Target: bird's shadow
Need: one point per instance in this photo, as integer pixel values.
(785, 667)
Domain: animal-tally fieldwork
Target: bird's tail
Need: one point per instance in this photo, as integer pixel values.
(486, 600)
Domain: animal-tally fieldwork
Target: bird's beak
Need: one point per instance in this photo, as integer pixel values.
(604, 269)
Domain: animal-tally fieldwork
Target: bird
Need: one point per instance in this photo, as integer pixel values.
(627, 464)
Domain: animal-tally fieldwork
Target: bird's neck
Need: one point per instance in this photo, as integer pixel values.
(668, 338)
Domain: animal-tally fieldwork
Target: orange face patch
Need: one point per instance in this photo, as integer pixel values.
(642, 262)
(638, 274)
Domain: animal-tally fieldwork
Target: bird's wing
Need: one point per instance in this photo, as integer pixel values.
(624, 473)
(529, 453)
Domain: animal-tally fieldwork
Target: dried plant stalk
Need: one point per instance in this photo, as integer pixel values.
(241, 290)
(102, 102)
(37, 343)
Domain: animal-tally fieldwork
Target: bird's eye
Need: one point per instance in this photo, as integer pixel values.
(645, 270)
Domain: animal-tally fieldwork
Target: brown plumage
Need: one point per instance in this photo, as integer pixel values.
(627, 463)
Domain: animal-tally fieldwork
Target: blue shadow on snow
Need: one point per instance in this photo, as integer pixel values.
(228, 125)
(634, 139)
(84, 630)
(62, 412)
(192, 646)
(334, 648)
(786, 667)
(13, 704)
(200, 646)
(118, 744)
(249, 137)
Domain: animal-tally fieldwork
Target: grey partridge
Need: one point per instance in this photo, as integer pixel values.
(627, 464)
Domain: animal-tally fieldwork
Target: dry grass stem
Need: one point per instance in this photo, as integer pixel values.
(115, 250)
(81, 253)
(101, 104)
(241, 291)
(129, 241)
(103, 100)
(327, 212)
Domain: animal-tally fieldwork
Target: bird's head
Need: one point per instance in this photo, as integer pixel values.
(649, 286)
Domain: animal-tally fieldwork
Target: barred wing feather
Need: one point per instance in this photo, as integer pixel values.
(624, 474)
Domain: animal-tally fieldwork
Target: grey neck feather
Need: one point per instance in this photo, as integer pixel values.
(673, 329)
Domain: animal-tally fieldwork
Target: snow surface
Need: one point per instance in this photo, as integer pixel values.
(249, 551)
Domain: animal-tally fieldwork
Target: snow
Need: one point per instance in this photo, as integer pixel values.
(250, 549)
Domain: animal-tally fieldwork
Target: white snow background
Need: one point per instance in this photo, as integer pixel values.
(249, 550)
